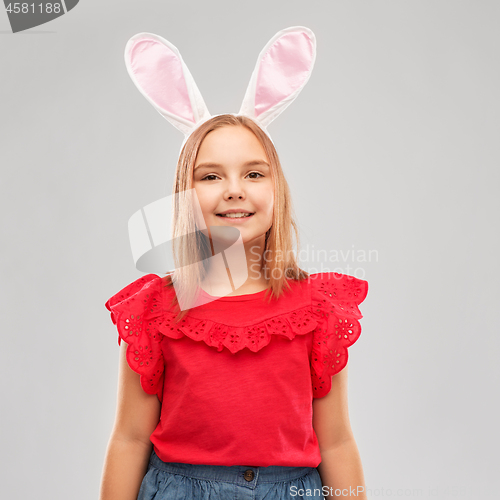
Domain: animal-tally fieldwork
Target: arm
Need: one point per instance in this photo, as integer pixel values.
(129, 447)
(340, 466)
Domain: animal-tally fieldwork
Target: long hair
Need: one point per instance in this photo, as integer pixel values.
(191, 246)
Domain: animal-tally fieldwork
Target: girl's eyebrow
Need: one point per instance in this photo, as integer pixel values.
(250, 163)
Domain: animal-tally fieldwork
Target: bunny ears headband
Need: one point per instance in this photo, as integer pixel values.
(283, 68)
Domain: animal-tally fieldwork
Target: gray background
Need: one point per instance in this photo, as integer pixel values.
(392, 146)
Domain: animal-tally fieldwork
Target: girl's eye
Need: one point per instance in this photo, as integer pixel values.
(257, 173)
(211, 177)
(206, 178)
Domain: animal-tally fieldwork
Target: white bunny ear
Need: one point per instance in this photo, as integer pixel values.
(157, 69)
(282, 70)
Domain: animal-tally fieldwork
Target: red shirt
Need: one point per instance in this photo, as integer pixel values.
(236, 377)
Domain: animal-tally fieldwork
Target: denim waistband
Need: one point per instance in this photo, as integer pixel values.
(232, 474)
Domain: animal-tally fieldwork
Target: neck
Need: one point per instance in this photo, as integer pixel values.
(228, 269)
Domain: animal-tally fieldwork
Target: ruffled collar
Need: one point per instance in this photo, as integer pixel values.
(233, 323)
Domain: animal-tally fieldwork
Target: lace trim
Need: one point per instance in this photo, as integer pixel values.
(335, 299)
(136, 311)
(254, 337)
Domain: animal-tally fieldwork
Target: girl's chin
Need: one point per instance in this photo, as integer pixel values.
(247, 236)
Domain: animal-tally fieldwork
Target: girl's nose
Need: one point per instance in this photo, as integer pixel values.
(234, 190)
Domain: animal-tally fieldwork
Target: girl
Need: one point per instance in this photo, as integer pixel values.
(243, 395)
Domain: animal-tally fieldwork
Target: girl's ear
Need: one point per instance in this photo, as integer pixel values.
(282, 70)
(157, 69)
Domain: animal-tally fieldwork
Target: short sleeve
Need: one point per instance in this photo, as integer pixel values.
(136, 310)
(335, 299)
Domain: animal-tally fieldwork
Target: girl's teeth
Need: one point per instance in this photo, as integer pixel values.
(235, 215)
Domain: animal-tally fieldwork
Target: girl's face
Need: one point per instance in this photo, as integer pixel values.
(232, 175)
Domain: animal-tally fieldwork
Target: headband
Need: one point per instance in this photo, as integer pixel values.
(283, 68)
(157, 69)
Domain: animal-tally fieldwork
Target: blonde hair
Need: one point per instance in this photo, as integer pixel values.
(191, 246)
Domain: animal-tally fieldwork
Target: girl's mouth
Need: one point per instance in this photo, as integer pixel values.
(236, 217)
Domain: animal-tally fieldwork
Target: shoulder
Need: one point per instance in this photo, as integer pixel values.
(335, 298)
(147, 287)
(136, 310)
(328, 287)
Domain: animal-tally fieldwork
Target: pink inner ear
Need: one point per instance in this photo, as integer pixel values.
(283, 70)
(158, 71)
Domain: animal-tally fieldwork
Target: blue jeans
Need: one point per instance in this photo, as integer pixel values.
(177, 481)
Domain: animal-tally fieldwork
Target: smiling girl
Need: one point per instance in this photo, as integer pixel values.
(245, 395)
